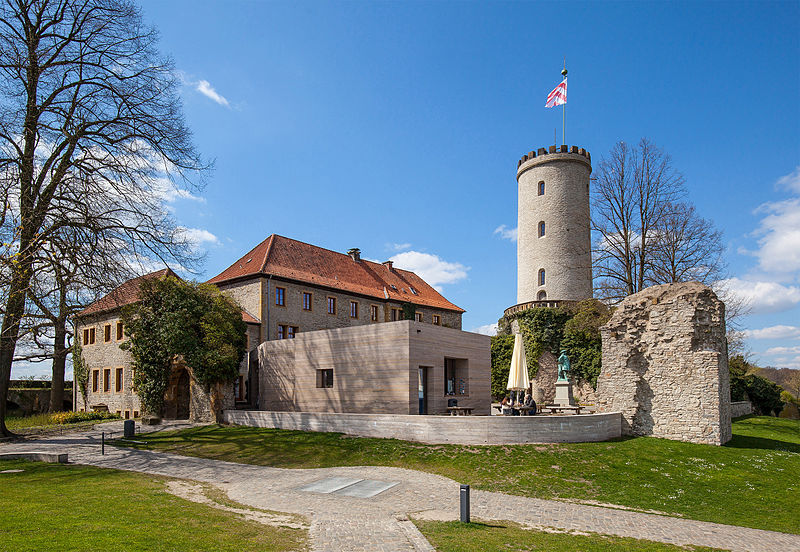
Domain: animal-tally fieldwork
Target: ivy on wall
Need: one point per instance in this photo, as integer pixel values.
(575, 328)
(80, 371)
(174, 318)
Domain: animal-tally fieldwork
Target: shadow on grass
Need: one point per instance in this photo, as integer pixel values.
(746, 442)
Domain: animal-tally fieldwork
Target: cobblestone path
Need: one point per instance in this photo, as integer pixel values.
(349, 524)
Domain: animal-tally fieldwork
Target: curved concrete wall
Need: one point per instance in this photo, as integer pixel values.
(564, 252)
(462, 430)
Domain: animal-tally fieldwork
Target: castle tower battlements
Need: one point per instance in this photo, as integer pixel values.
(554, 256)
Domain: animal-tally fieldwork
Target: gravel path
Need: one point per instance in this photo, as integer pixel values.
(345, 523)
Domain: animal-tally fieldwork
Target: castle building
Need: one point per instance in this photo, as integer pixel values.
(286, 288)
(554, 255)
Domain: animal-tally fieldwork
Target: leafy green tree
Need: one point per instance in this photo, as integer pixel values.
(765, 395)
(177, 319)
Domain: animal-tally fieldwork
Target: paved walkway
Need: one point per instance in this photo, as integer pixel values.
(343, 523)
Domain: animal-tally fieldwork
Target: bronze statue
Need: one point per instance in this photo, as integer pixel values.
(563, 366)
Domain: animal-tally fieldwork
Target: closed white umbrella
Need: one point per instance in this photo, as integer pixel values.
(518, 375)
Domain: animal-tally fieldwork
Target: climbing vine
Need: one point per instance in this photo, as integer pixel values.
(80, 371)
(575, 328)
(195, 322)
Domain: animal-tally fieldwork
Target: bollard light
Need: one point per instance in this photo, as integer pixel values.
(465, 503)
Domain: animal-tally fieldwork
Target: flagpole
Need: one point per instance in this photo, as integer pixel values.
(564, 111)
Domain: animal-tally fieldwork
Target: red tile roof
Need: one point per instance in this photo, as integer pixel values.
(294, 260)
(125, 294)
(249, 318)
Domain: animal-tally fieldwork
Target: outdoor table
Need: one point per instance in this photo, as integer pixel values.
(559, 409)
(460, 410)
(526, 409)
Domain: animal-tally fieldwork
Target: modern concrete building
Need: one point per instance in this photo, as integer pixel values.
(404, 367)
(554, 260)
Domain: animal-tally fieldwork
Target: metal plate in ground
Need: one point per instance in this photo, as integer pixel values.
(366, 488)
(329, 485)
(359, 488)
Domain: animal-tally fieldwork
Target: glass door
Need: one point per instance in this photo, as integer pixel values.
(423, 390)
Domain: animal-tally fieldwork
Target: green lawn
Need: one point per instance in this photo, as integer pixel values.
(454, 536)
(752, 482)
(68, 507)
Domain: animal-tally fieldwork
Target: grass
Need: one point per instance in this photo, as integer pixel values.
(67, 507)
(454, 536)
(752, 482)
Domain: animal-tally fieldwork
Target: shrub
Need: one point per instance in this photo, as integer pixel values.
(75, 417)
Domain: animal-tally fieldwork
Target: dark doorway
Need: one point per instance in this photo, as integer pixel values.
(182, 396)
(423, 390)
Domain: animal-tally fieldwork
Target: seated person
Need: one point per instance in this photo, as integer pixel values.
(506, 406)
(530, 403)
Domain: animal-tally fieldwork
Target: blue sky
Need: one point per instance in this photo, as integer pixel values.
(396, 128)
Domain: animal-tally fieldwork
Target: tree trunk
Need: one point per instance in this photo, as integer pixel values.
(15, 309)
(59, 364)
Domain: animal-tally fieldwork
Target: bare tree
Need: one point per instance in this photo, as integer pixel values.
(635, 191)
(91, 132)
(685, 247)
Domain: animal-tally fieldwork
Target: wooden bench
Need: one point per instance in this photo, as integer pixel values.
(460, 410)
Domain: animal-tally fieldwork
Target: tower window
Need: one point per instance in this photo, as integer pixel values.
(541, 296)
(541, 229)
(541, 187)
(541, 276)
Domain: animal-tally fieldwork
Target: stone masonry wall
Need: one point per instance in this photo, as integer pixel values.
(665, 365)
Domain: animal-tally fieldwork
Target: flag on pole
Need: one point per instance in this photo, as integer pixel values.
(558, 96)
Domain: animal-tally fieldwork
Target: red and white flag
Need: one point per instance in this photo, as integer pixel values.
(558, 96)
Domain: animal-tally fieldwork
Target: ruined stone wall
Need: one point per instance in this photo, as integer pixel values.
(665, 364)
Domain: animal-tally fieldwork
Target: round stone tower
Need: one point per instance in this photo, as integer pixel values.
(554, 256)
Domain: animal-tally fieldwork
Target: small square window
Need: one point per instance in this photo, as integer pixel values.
(306, 301)
(325, 378)
(418, 316)
(280, 294)
(331, 305)
(353, 309)
(135, 413)
(127, 414)
(437, 320)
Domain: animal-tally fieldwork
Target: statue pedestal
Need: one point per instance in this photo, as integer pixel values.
(564, 394)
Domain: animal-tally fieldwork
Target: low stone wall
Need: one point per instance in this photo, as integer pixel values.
(463, 430)
(741, 408)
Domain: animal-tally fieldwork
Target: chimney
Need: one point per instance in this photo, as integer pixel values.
(355, 254)
(388, 264)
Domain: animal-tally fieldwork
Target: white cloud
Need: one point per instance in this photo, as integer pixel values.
(205, 88)
(198, 236)
(164, 190)
(397, 246)
(774, 332)
(486, 329)
(783, 351)
(506, 233)
(779, 241)
(790, 182)
(763, 297)
(431, 268)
